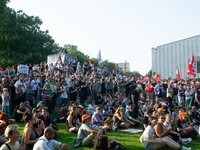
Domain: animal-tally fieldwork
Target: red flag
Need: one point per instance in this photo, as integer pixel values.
(2, 69)
(125, 66)
(191, 67)
(57, 62)
(90, 63)
(145, 78)
(185, 78)
(158, 77)
(115, 69)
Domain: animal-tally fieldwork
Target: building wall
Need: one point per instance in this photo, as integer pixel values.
(166, 58)
(121, 66)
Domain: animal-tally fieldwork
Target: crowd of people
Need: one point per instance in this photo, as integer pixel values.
(91, 101)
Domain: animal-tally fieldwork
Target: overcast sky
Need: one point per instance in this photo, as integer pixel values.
(121, 29)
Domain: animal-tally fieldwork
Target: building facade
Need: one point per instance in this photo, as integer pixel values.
(166, 58)
(121, 66)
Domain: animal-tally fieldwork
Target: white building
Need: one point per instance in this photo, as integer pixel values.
(166, 58)
(121, 66)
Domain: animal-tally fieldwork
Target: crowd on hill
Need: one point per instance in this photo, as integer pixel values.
(91, 101)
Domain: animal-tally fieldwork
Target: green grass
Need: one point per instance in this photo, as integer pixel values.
(130, 140)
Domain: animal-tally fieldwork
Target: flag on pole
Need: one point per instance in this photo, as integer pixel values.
(177, 77)
(145, 78)
(186, 79)
(100, 59)
(90, 63)
(116, 70)
(2, 69)
(155, 76)
(191, 67)
(125, 66)
(57, 62)
(159, 78)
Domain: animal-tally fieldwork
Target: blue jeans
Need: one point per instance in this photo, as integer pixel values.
(58, 100)
(6, 110)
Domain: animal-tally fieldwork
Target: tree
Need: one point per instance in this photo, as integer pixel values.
(149, 74)
(109, 65)
(21, 40)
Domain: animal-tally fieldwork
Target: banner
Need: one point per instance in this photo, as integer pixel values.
(24, 69)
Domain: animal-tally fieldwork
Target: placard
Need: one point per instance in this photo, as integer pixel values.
(24, 69)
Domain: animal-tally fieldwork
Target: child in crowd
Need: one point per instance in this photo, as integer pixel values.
(5, 101)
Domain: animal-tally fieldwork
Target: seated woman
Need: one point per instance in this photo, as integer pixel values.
(102, 143)
(151, 143)
(86, 133)
(91, 108)
(97, 118)
(27, 106)
(29, 136)
(182, 127)
(4, 117)
(71, 122)
(39, 128)
(106, 112)
(20, 112)
(120, 121)
(162, 131)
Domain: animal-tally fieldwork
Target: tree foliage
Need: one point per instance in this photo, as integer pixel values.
(149, 74)
(21, 40)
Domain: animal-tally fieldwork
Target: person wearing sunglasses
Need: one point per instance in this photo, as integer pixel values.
(36, 113)
(152, 143)
(162, 131)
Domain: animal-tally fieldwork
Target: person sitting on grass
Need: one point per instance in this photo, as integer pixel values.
(39, 128)
(46, 142)
(120, 121)
(86, 133)
(63, 113)
(12, 133)
(20, 112)
(102, 143)
(151, 143)
(97, 118)
(132, 116)
(162, 131)
(71, 122)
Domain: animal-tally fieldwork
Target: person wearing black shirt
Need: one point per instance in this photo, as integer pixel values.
(74, 65)
(145, 120)
(135, 98)
(13, 104)
(72, 92)
(84, 91)
(195, 114)
(132, 116)
(85, 67)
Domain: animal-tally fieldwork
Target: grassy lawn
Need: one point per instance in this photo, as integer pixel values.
(130, 140)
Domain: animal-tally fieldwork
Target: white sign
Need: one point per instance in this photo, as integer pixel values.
(132, 130)
(24, 69)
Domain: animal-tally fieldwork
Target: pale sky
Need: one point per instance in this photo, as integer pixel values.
(121, 29)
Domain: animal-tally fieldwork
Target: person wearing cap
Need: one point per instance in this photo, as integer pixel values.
(63, 113)
(161, 110)
(86, 133)
(97, 118)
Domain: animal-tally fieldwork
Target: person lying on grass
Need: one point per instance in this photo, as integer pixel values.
(151, 143)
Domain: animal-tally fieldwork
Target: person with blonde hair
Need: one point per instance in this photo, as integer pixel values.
(120, 121)
(71, 122)
(12, 133)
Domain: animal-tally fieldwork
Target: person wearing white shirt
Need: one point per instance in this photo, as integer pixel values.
(64, 96)
(68, 80)
(20, 81)
(46, 142)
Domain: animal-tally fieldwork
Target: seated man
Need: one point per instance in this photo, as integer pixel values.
(46, 142)
(145, 120)
(63, 113)
(86, 133)
(132, 116)
(195, 115)
(12, 133)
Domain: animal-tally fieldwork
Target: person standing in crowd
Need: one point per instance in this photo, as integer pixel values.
(197, 98)
(12, 100)
(94, 90)
(188, 96)
(40, 85)
(180, 95)
(58, 100)
(169, 93)
(46, 142)
(158, 91)
(84, 91)
(5, 101)
(64, 96)
(72, 93)
(34, 83)
(135, 98)
(29, 93)
(109, 86)
(47, 96)
(149, 90)
(12, 133)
